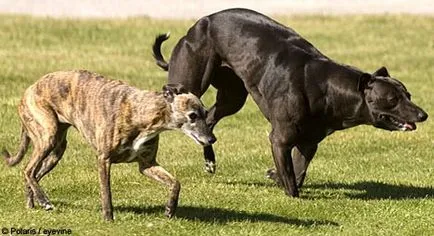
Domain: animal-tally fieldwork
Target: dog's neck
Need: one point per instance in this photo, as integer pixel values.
(172, 117)
(150, 112)
(361, 116)
(141, 118)
(352, 109)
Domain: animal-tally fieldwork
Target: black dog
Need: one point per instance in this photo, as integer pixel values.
(303, 94)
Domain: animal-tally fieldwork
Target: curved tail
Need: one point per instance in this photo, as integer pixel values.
(156, 49)
(24, 145)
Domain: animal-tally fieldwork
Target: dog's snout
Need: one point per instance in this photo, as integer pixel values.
(422, 116)
(212, 139)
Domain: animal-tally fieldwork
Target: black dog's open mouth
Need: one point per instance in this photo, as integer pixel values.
(397, 124)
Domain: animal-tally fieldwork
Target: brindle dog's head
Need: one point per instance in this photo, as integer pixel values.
(389, 102)
(188, 114)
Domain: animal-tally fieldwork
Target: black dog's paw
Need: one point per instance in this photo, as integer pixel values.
(271, 174)
(210, 167)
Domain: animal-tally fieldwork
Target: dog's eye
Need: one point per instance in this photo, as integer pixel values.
(192, 116)
(392, 100)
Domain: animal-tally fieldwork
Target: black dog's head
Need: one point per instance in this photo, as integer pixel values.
(389, 102)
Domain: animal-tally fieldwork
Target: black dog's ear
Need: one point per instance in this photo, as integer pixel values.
(170, 90)
(382, 72)
(364, 80)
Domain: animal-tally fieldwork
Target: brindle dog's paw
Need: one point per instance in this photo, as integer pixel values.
(210, 167)
(170, 208)
(48, 206)
(169, 212)
(30, 203)
(271, 174)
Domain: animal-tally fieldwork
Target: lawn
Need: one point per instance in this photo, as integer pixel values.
(363, 181)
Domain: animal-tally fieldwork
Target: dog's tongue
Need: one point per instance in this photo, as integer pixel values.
(409, 126)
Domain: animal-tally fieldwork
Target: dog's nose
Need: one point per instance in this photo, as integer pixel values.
(422, 116)
(212, 139)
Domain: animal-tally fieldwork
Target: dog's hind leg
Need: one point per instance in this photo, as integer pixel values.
(231, 96)
(194, 71)
(194, 66)
(40, 152)
(42, 127)
(50, 162)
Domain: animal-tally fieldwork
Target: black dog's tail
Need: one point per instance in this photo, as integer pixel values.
(156, 49)
(24, 145)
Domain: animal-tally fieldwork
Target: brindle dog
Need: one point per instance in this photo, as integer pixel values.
(122, 123)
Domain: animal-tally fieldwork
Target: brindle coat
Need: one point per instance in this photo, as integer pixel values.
(121, 122)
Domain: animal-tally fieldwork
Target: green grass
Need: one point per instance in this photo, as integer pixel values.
(363, 181)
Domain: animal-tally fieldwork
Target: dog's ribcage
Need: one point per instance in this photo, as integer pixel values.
(144, 149)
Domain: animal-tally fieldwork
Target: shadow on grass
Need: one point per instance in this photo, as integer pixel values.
(223, 216)
(370, 190)
(268, 183)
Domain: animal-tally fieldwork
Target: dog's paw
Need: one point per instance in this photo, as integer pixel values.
(210, 167)
(169, 212)
(48, 206)
(171, 206)
(30, 203)
(271, 174)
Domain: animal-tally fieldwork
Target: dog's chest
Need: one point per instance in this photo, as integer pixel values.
(141, 149)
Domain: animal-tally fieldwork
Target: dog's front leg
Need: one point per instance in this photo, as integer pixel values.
(302, 155)
(282, 144)
(159, 174)
(104, 181)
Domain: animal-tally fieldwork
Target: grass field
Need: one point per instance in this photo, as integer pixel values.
(363, 181)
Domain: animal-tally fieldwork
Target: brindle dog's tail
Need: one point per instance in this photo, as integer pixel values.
(156, 49)
(24, 145)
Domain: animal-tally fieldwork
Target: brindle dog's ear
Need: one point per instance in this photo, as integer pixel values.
(364, 80)
(382, 72)
(170, 90)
